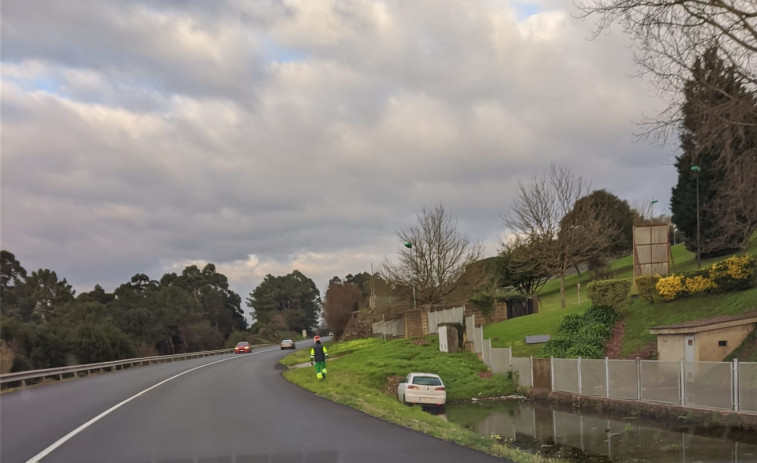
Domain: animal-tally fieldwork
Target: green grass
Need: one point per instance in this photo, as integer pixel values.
(641, 316)
(358, 377)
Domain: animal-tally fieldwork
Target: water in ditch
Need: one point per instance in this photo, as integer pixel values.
(537, 428)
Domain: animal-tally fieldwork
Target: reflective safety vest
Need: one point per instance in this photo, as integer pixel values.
(318, 353)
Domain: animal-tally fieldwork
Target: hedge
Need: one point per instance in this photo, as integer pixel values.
(612, 293)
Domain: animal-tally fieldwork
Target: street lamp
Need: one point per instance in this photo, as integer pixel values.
(409, 245)
(696, 171)
(651, 205)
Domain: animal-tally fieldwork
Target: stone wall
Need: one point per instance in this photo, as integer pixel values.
(360, 326)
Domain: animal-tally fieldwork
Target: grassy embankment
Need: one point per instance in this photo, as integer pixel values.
(360, 375)
(640, 316)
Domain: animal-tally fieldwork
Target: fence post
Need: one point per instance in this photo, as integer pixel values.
(531, 369)
(607, 377)
(682, 381)
(638, 379)
(735, 387)
(551, 372)
(580, 382)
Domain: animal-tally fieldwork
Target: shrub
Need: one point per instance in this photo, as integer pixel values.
(557, 347)
(645, 284)
(613, 293)
(733, 273)
(570, 324)
(602, 314)
(670, 287)
(583, 335)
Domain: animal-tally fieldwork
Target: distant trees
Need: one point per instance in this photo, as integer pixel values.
(726, 155)
(44, 324)
(290, 302)
(553, 229)
(434, 257)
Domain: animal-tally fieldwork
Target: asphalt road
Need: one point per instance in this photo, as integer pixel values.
(235, 409)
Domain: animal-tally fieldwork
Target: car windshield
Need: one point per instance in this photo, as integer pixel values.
(427, 381)
(243, 344)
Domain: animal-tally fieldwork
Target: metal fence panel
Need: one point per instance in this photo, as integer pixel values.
(565, 375)
(593, 377)
(486, 353)
(501, 359)
(454, 315)
(470, 325)
(748, 387)
(660, 381)
(623, 379)
(522, 368)
(708, 384)
(389, 327)
(478, 340)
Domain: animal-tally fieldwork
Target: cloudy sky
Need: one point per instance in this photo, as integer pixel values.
(268, 136)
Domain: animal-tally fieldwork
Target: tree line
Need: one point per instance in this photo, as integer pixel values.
(44, 324)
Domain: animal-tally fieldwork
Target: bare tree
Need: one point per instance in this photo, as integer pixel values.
(671, 34)
(434, 257)
(547, 234)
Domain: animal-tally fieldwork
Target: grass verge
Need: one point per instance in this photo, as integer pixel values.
(366, 368)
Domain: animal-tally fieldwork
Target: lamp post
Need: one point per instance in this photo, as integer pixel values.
(651, 205)
(696, 171)
(409, 245)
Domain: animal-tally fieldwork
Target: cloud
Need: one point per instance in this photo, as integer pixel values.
(268, 136)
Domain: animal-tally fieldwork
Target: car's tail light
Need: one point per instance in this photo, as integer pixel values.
(441, 388)
(413, 387)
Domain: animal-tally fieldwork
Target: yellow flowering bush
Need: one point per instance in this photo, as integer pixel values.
(734, 273)
(699, 284)
(731, 274)
(670, 287)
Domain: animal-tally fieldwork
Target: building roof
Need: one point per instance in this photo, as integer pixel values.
(706, 324)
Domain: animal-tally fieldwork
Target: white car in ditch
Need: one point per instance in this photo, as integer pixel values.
(426, 389)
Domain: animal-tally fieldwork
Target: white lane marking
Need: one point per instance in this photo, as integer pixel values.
(36, 458)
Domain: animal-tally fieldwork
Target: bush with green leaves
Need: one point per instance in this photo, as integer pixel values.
(583, 335)
(645, 285)
(613, 293)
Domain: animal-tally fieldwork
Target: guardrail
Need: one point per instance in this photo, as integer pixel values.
(24, 378)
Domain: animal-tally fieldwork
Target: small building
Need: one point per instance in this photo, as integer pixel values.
(706, 340)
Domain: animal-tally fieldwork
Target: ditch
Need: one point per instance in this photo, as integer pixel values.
(582, 438)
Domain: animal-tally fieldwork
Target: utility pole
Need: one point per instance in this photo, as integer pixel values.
(696, 171)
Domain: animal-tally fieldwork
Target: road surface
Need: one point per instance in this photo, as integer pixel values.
(235, 409)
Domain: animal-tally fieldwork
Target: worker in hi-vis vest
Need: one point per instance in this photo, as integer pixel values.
(318, 355)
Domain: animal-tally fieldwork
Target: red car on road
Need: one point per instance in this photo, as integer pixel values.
(243, 347)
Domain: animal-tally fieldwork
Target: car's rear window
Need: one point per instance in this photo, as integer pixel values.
(427, 381)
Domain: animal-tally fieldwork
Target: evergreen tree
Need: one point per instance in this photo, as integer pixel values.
(725, 154)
